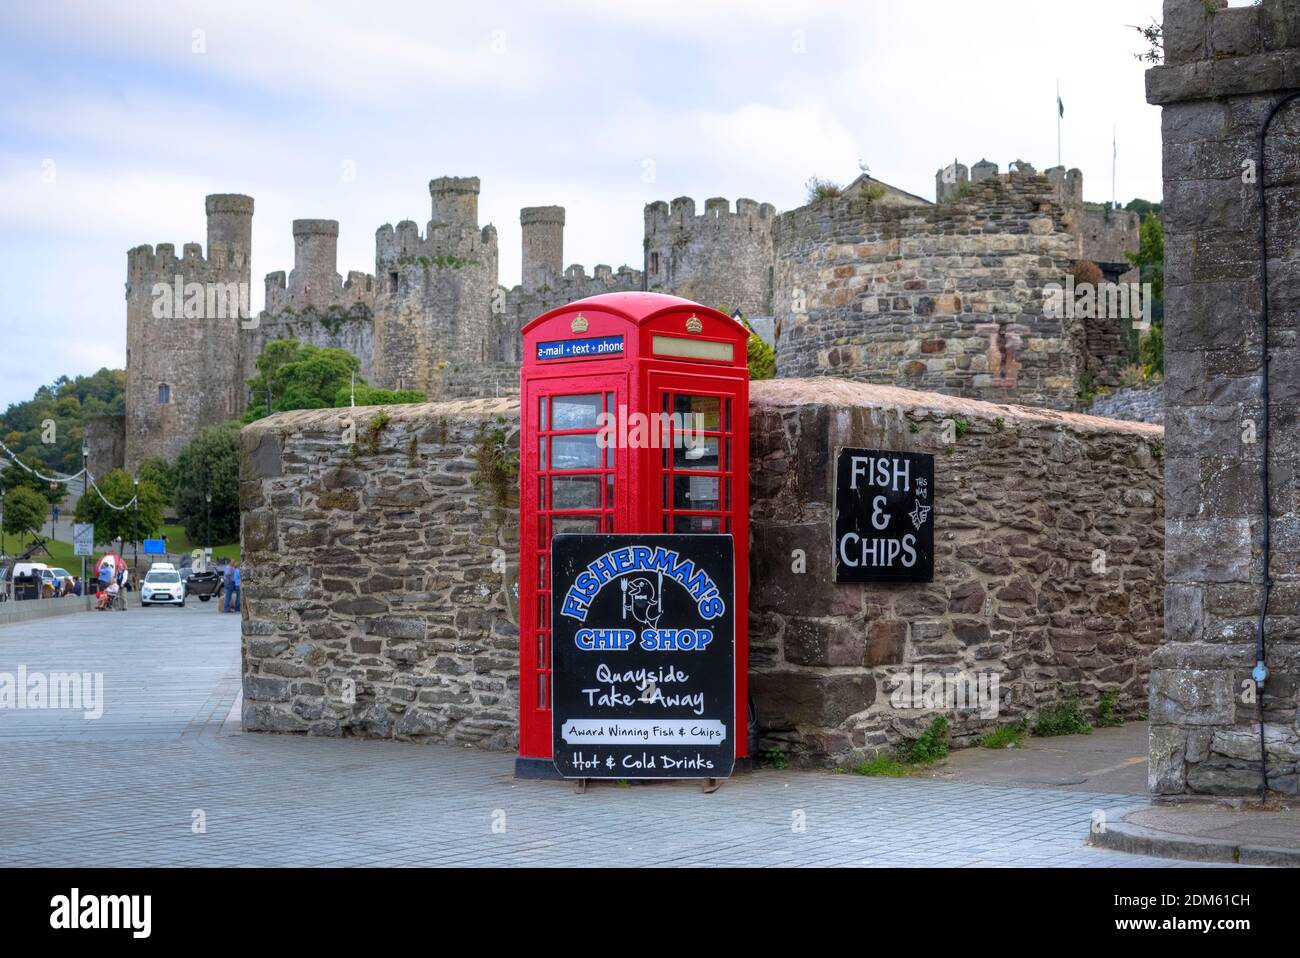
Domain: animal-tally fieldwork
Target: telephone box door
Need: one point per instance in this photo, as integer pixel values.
(569, 483)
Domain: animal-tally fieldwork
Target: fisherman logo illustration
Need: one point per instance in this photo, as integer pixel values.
(643, 656)
(642, 600)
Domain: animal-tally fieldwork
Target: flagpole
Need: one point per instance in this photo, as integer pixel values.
(1114, 155)
(1058, 122)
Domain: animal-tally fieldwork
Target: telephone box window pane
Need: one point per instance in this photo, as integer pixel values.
(543, 582)
(574, 452)
(575, 412)
(542, 689)
(708, 524)
(726, 415)
(700, 453)
(695, 492)
(541, 453)
(580, 492)
(541, 414)
(561, 525)
(541, 650)
(706, 407)
(541, 493)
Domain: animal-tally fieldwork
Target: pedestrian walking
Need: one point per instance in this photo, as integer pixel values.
(227, 580)
(233, 585)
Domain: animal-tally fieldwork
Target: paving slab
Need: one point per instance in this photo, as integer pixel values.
(165, 777)
(1206, 832)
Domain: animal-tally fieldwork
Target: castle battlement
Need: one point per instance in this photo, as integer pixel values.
(680, 214)
(147, 264)
(404, 245)
(314, 280)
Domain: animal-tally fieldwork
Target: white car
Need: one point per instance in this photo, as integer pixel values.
(162, 585)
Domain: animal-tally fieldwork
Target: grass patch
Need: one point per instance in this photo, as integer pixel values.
(883, 766)
(1005, 736)
(1063, 717)
(776, 758)
(910, 756)
(1106, 715)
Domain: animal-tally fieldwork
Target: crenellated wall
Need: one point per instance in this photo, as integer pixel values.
(433, 293)
(718, 257)
(184, 343)
(948, 297)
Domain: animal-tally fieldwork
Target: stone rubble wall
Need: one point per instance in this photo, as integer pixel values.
(1225, 70)
(1135, 403)
(1024, 500)
(946, 298)
(379, 579)
(373, 570)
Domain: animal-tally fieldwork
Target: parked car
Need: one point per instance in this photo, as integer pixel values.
(162, 586)
(203, 584)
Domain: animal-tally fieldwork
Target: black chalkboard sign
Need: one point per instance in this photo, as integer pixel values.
(884, 516)
(643, 681)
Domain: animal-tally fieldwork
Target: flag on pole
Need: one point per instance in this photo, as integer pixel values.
(1060, 107)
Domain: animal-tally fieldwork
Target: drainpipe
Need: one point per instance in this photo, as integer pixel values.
(1260, 672)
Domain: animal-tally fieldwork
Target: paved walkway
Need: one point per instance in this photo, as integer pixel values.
(134, 787)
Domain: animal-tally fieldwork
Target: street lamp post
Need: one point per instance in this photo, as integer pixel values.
(85, 489)
(135, 531)
(207, 497)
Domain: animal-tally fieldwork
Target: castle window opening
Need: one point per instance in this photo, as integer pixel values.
(654, 263)
(392, 282)
(164, 394)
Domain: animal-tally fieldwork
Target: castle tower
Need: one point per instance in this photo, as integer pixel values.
(719, 258)
(434, 293)
(543, 253)
(455, 200)
(312, 305)
(315, 279)
(949, 181)
(184, 334)
(983, 170)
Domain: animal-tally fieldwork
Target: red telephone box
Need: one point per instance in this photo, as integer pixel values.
(611, 386)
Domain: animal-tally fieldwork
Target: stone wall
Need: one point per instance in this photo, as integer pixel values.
(373, 570)
(948, 298)
(1135, 403)
(1223, 73)
(183, 367)
(379, 588)
(720, 258)
(106, 440)
(1024, 500)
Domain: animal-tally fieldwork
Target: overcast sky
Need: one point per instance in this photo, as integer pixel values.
(118, 118)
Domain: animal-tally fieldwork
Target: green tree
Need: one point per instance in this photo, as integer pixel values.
(13, 477)
(25, 511)
(162, 474)
(210, 465)
(373, 396)
(294, 375)
(118, 488)
(1150, 262)
(49, 427)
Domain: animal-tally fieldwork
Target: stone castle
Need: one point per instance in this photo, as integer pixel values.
(869, 283)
